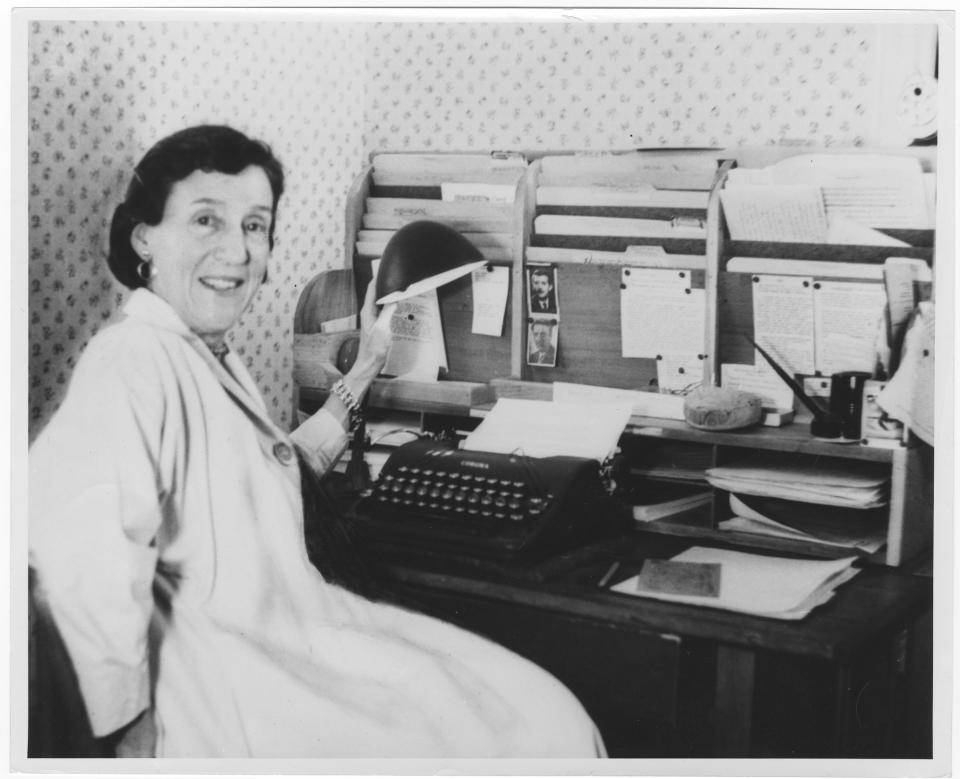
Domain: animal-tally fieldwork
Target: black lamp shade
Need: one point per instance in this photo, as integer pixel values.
(420, 250)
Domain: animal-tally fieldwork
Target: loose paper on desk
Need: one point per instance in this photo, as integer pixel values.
(766, 586)
(775, 213)
(660, 313)
(417, 351)
(848, 316)
(783, 320)
(909, 395)
(543, 428)
(490, 287)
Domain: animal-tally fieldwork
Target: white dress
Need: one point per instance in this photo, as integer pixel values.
(166, 528)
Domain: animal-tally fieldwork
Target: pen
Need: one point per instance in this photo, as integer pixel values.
(605, 579)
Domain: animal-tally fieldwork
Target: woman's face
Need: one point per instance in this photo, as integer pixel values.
(210, 250)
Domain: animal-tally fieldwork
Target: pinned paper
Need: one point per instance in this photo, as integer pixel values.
(664, 319)
(679, 373)
(783, 320)
(417, 351)
(848, 316)
(490, 288)
(656, 278)
(760, 380)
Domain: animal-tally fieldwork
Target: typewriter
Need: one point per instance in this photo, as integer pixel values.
(433, 495)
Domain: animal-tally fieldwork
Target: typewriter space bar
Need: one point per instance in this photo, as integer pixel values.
(404, 519)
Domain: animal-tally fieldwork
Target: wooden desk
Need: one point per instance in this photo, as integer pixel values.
(859, 643)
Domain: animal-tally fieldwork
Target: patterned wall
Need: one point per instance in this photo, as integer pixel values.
(323, 94)
(101, 93)
(612, 86)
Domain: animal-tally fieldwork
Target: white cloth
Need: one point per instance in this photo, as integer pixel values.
(909, 396)
(163, 476)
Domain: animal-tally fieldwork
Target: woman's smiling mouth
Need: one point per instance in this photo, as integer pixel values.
(221, 283)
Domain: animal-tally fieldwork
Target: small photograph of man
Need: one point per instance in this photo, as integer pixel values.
(541, 289)
(542, 343)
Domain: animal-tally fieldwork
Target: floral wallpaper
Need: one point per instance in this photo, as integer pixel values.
(613, 86)
(101, 93)
(325, 94)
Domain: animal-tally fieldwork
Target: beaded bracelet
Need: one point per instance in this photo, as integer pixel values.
(349, 400)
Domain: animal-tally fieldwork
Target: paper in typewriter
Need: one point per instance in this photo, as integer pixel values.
(542, 428)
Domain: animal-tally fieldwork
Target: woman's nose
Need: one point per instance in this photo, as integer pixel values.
(233, 246)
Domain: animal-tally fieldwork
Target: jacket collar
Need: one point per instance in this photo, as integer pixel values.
(150, 308)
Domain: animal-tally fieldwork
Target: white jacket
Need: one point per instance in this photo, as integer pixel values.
(166, 527)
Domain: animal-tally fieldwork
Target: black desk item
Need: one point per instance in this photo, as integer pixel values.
(432, 494)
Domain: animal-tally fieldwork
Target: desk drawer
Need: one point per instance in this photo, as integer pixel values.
(627, 679)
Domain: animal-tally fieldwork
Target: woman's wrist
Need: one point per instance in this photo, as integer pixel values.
(359, 378)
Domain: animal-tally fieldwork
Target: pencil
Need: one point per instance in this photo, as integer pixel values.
(605, 579)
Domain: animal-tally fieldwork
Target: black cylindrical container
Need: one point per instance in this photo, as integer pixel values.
(846, 400)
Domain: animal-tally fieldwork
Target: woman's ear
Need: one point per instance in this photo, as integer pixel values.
(139, 240)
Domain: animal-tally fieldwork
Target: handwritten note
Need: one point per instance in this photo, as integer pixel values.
(660, 314)
(760, 380)
(775, 213)
(417, 351)
(848, 320)
(490, 287)
(876, 190)
(783, 320)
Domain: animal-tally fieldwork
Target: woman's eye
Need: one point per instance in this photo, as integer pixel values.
(256, 226)
(205, 220)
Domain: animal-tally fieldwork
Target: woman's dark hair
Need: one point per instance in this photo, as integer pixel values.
(210, 148)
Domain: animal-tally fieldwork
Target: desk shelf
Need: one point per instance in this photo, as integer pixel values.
(400, 187)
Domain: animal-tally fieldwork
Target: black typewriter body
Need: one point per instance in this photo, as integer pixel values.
(433, 495)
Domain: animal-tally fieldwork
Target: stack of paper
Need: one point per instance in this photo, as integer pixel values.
(829, 481)
(857, 529)
(777, 587)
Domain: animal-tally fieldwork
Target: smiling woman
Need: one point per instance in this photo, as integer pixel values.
(208, 255)
(167, 515)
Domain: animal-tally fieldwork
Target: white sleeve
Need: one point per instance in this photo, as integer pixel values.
(322, 440)
(94, 513)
